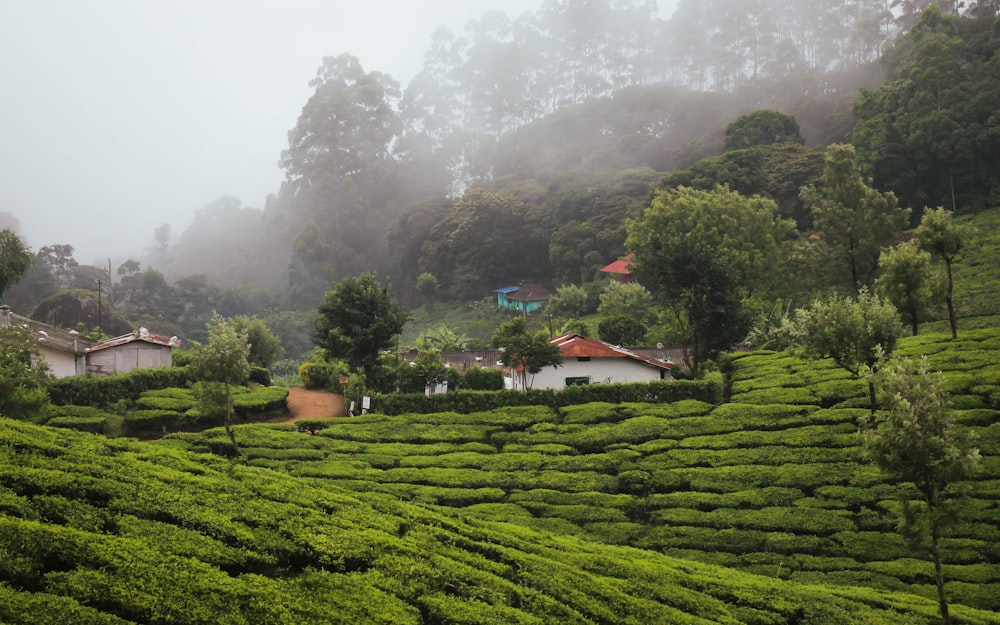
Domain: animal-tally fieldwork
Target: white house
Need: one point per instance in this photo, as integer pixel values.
(590, 361)
(68, 354)
(63, 351)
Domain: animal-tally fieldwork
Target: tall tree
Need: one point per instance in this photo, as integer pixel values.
(340, 168)
(854, 221)
(59, 258)
(223, 361)
(15, 259)
(357, 319)
(908, 282)
(916, 439)
(944, 239)
(701, 252)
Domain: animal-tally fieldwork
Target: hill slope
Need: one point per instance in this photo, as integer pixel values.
(98, 531)
(772, 483)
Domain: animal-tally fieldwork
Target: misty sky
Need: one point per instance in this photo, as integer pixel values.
(119, 115)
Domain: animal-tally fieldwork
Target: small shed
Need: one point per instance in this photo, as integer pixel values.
(137, 350)
(525, 297)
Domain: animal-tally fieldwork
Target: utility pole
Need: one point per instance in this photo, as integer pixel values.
(100, 325)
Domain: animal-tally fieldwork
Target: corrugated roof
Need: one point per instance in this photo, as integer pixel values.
(530, 293)
(507, 289)
(142, 334)
(576, 346)
(56, 338)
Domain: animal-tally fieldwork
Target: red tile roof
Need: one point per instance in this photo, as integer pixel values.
(621, 267)
(577, 346)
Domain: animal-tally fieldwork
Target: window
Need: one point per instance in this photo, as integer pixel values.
(583, 358)
(578, 381)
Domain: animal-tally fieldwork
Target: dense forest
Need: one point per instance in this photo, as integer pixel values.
(525, 145)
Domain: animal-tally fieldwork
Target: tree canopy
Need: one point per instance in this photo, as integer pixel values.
(15, 259)
(357, 320)
(524, 352)
(853, 221)
(701, 252)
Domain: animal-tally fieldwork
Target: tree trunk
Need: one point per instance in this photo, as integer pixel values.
(229, 426)
(873, 402)
(939, 577)
(951, 302)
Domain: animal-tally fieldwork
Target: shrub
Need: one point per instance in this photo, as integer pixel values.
(319, 375)
(483, 379)
(94, 425)
(104, 392)
(481, 401)
(259, 402)
(260, 375)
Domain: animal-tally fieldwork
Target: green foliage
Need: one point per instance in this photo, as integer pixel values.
(525, 353)
(476, 401)
(762, 127)
(15, 259)
(629, 299)
(103, 392)
(622, 330)
(571, 300)
(854, 222)
(907, 283)
(916, 440)
(940, 236)
(265, 346)
(701, 251)
(321, 375)
(22, 382)
(848, 330)
(483, 379)
(929, 133)
(356, 320)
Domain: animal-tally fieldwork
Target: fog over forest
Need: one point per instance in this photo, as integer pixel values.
(120, 116)
(197, 160)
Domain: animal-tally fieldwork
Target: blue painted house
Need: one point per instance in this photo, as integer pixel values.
(524, 297)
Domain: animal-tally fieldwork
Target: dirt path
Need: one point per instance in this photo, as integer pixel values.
(303, 404)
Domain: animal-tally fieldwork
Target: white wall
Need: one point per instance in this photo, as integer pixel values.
(61, 364)
(599, 370)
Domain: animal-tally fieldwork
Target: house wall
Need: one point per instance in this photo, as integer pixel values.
(61, 364)
(124, 358)
(599, 370)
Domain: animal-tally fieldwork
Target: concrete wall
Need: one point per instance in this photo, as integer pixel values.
(61, 364)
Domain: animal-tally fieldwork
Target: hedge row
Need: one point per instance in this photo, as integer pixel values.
(477, 401)
(103, 392)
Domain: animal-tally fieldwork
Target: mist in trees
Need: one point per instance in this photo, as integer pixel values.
(525, 143)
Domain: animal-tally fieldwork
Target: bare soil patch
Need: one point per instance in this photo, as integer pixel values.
(305, 404)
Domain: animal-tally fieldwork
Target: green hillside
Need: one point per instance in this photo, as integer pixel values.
(761, 510)
(98, 531)
(772, 483)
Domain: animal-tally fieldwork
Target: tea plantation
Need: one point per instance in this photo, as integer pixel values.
(759, 511)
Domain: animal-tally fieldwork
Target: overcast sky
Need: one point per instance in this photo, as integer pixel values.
(119, 115)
